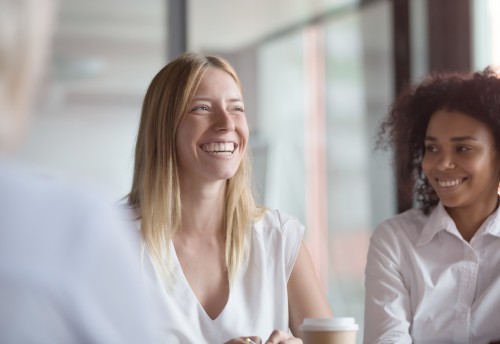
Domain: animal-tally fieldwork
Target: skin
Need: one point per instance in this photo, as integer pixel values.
(463, 167)
(216, 115)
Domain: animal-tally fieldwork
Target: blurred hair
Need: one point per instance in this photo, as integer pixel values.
(25, 27)
(155, 192)
(474, 94)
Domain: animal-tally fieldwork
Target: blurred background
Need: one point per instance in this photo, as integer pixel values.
(318, 76)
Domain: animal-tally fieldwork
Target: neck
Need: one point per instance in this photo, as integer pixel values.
(203, 208)
(469, 219)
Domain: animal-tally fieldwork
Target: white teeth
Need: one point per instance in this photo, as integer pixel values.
(448, 183)
(222, 148)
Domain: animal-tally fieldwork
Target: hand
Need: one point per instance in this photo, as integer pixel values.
(246, 340)
(280, 337)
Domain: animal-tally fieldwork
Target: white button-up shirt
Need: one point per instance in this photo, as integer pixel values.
(426, 284)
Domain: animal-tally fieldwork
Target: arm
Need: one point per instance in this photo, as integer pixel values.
(387, 301)
(306, 299)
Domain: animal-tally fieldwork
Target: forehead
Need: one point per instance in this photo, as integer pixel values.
(455, 123)
(218, 81)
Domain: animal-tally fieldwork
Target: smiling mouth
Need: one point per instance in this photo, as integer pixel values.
(219, 148)
(449, 183)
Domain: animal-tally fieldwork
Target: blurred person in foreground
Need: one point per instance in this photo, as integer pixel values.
(69, 272)
(433, 272)
(231, 270)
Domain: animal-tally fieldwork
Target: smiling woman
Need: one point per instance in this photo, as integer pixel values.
(462, 165)
(212, 139)
(222, 268)
(433, 273)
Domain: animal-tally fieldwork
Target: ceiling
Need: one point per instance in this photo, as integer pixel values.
(229, 24)
(108, 50)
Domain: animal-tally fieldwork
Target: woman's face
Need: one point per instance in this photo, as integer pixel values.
(460, 161)
(213, 135)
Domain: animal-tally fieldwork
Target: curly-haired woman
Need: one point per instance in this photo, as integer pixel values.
(433, 272)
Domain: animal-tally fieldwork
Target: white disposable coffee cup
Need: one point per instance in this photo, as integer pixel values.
(329, 330)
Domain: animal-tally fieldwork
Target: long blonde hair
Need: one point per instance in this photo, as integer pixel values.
(155, 190)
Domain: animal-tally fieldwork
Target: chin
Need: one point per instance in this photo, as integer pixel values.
(451, 204)
(228, 176)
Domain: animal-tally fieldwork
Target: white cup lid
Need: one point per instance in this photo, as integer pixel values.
(329, 324)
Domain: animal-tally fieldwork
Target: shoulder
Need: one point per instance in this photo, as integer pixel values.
(132, 217)
(277, 229)
(276, 221)
(129, 213)
(49, 190)
(277, 236)
(57, 213)
(63, 238)
(403, 227)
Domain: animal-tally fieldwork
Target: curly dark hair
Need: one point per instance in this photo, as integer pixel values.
(474, 94)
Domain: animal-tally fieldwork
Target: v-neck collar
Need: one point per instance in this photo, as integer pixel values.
(179, 273)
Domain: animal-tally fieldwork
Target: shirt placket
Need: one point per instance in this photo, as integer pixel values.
(469, 272)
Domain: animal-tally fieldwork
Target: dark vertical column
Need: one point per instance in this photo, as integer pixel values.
(402, 68)
(401, 35)
(177, 28)
(450, 34)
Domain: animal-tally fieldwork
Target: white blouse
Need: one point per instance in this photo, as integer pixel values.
(426, 284)
(258, 299)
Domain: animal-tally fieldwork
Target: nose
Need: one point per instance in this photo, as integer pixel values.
(224, 121)
(445, 162)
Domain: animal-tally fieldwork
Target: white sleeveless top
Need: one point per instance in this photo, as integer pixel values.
(258, 299)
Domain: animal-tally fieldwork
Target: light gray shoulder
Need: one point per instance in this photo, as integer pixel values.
(408, 225)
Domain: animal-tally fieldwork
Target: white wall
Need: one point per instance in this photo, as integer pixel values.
(92, 142)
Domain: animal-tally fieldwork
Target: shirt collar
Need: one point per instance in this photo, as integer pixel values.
(492, 223)
(439, 220)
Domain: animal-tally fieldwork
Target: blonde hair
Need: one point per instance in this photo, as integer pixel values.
(25, 30)
(155, 190)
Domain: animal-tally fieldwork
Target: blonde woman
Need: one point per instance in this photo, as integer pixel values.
(233, 271)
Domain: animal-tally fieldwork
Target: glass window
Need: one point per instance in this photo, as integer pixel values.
(486, 34)
(322, 92)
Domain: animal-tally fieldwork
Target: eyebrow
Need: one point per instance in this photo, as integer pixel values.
(232, 100)
(453, 139)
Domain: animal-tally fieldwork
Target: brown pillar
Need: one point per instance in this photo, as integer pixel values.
(402, 75)
(449, 35)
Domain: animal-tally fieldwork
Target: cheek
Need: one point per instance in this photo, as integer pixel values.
(496, 168)
(183, 144)
(179, 145)
(181, 155)
(243, 130)
(186, 133)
